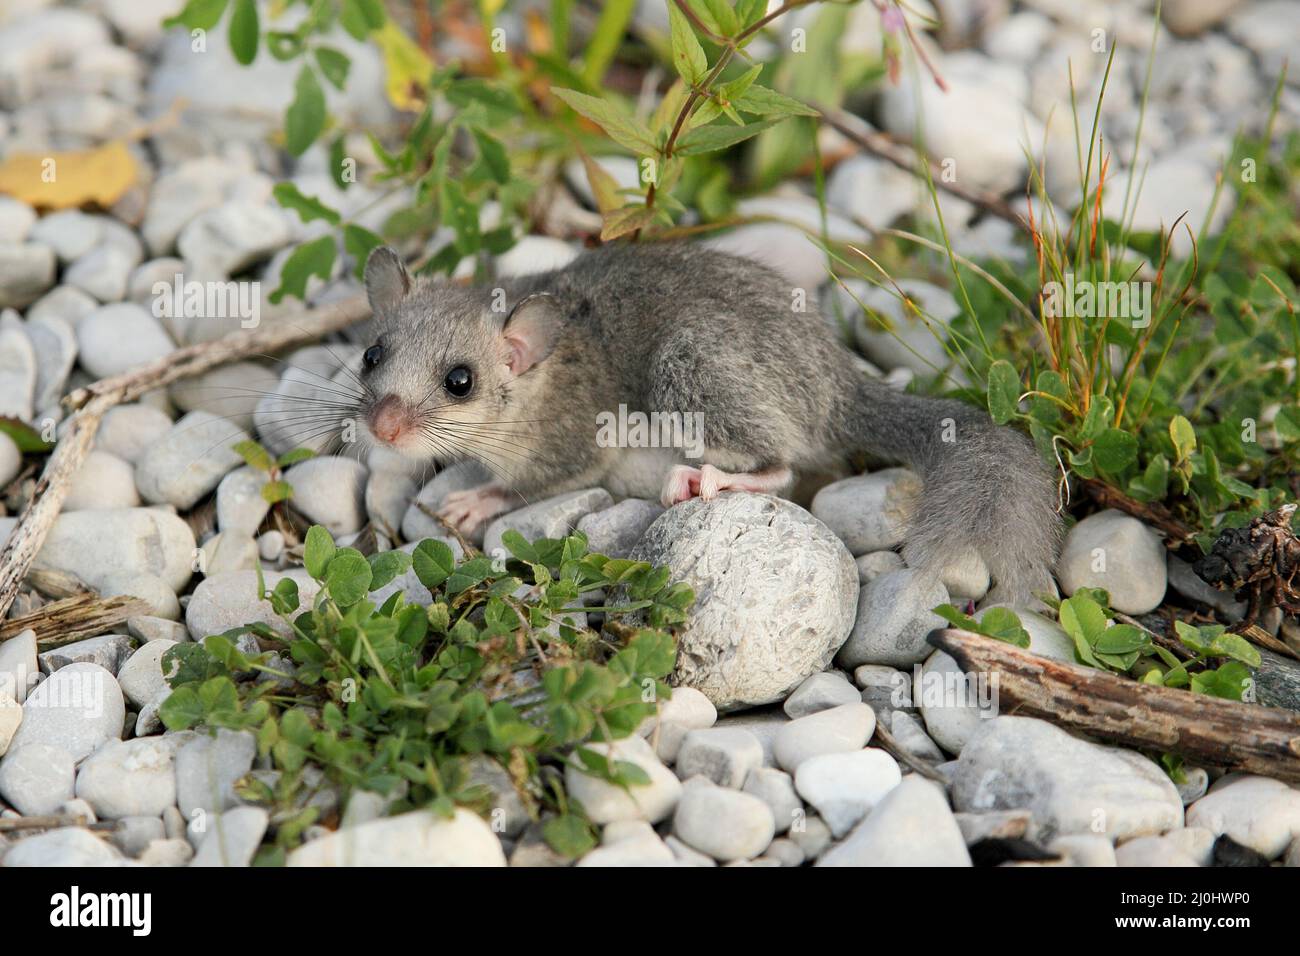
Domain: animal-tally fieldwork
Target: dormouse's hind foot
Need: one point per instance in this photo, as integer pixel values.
(466, 510)
(707, 482)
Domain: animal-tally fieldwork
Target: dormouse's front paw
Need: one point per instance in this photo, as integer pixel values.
(466, 510)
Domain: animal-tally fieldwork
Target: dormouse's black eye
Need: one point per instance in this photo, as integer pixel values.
(372, 355)
(459, 381)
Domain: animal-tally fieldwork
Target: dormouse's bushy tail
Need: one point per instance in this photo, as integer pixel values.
(984, 486)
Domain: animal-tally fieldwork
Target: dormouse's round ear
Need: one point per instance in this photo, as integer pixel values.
(387, 280)
(531, 330)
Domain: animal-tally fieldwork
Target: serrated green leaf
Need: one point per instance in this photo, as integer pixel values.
(688, 56)
(308, 208)
(765, 102)
(708, 139)
(617, 124)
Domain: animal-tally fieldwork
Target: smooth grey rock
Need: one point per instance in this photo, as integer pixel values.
(894, 618)
(869, 512)
(686, 710)
(229, 551)
(607, 802)
(389, 492)
(240, 505)
(118, 337)
(884, 689)
(724, 755)
(330, 491)
(820, 692)
(134, 834)
(26, 270)
(127, 430)
(843, 787)
(148, 628)
(223, 601)
(169, 852)
(907, 342)
(1257, 812)
(1070, 785)
(1117, 552)
(129, 778)
(685, 856)
(71, 233)
(305, 388)
(812, 835)
(995, 825)
(189, 461)
(77, 708)
(102, 481)
(764, 723)
(16, 219)
(1084, 849)
(553, 518)
(38, 779)
(954, 703)
(838, 730)
(141, 677)
(911, 826)
(1151, 851)
(11, 460)
(207, 769)
(1194, 786)
(508, 815)
(235, 235)
(19, 666)
(54, 347)
(232, 837)
(776, 789)
(911, 736)
(65, 847)
(722, 823)
(108, 651)
(875, 563)
(419, 838)
(615, 531)
(774, 594)
(150, 588)
(17, 367)
(11, 716)
(230, 391)
(64, 303)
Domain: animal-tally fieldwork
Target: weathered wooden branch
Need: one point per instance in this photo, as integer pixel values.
(84, 615)
(1206, 730)
(53, 822)
(89, 404)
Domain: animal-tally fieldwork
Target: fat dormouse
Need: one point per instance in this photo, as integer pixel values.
(518, 377)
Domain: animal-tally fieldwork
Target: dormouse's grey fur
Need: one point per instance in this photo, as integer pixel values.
(677, 328)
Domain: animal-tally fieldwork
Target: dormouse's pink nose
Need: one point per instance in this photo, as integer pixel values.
(389, 418)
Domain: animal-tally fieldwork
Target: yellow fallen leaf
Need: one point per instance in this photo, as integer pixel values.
(66, 180)
(408, 68)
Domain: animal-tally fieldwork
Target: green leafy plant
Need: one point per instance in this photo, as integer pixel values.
(1219, 664)
(259, 459)
(394, 697)
(999, 623)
